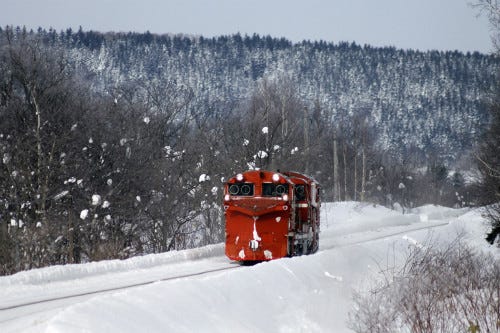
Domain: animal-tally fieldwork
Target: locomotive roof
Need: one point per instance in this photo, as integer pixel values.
(290, 176)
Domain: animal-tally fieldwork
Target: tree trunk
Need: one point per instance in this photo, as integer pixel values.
(42, 186)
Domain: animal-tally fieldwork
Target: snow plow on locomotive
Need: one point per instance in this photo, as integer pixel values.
(270, 215)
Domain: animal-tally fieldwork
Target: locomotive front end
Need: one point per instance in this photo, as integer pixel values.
(257, 209)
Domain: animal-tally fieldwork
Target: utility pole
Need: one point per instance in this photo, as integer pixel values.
(363, 170)
(306, 138)
(336, 185)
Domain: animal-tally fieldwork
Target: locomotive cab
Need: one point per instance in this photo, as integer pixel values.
(305, 230)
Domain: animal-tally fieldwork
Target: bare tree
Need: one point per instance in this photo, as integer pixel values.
(35, 132)
(448, 289)
(88, 177)
(271, 125)
(489, 151)
(37, 73)
(489, 167)
(491, 8)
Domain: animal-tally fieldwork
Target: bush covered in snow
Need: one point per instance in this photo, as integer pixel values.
(450, 289)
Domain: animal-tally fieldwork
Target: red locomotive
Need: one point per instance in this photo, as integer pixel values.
(271, 215)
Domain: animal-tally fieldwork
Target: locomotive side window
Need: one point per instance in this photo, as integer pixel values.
(274, 190)
(245, 189)
(300, 192)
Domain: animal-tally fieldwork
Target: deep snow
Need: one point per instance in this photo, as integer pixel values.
(301, 294)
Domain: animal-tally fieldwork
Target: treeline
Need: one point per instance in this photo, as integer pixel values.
(138, 165)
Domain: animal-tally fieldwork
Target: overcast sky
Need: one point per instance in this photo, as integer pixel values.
(416, 24)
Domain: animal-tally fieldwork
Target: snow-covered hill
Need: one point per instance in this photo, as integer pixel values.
(301, 294)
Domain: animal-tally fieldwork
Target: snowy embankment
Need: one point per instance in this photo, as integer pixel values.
(70, 272)
(301, 294)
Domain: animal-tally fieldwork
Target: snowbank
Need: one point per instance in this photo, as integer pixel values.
(79, 271)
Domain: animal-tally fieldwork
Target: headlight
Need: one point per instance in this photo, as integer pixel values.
(246, 189)
(280, 189)
(234, 189)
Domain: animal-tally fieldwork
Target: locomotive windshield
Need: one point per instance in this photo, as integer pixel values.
(244, 189)
(300, 192)
(274, 190)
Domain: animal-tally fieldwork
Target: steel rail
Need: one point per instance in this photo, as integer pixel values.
(105, 290)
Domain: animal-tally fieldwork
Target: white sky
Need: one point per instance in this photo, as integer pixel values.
(416, 24)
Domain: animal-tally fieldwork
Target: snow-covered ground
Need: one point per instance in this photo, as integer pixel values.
(300, 294)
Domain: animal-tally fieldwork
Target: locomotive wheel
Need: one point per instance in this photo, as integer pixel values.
(314, 247)
(299, 249)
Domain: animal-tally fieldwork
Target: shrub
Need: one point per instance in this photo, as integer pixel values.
(451, 289)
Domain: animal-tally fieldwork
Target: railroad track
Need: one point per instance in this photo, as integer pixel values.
(11, 312)
(342, 243)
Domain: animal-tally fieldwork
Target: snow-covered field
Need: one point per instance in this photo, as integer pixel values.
(301, 294)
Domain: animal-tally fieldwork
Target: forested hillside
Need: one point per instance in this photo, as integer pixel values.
(118, 144)
(418, 102)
